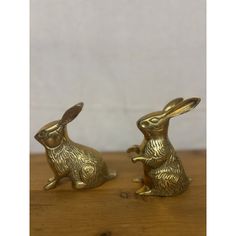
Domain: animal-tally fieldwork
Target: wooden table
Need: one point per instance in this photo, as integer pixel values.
(113, 209)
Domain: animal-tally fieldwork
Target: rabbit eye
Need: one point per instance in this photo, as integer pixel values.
(42, 134)
(154, 120)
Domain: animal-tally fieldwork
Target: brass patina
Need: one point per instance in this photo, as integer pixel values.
(164, 174)
(83, 165)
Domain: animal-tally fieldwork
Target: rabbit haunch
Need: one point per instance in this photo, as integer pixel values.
(71, 160)
(161, 154)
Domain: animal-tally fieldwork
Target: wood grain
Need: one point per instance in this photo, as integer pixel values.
(113, 209)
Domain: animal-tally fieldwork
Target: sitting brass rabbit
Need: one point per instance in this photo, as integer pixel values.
(83, 165)
(163, 172)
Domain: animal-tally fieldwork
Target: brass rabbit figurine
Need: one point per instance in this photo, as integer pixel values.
(83, 165)
(164, 174)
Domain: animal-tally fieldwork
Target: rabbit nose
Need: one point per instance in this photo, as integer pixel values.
(36, 136)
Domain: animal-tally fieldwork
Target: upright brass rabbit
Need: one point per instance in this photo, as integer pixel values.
(83, 165)
(164, 174)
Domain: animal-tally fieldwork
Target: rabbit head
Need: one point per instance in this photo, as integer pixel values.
(157, 122)
(52, 134)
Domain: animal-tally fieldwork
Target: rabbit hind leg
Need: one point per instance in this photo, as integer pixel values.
(75, 177)
(78, 184)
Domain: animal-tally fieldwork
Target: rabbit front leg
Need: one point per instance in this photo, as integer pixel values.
(135, 159)
(52, 183)
(144, 188)
(51, 179)
(152, 162)
(139, 158)
(137, 150)
(78, 184)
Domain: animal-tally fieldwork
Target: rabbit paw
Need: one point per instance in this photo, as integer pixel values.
(138, 158)
(79, 184)
(51, 185)
(51, 179)
(147, 193)
(143, 190)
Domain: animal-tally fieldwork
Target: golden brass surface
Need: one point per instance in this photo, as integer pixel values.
(83, 165)
(164, 174)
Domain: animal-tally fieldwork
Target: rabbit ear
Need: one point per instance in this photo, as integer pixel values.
(183, 107)
(71, 113)
(172, 104)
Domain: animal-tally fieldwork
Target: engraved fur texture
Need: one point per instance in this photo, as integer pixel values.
(83, 165)
(70, 159)
(164, 174)
(164, 168)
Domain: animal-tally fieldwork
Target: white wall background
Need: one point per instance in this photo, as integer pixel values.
(123, 59)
